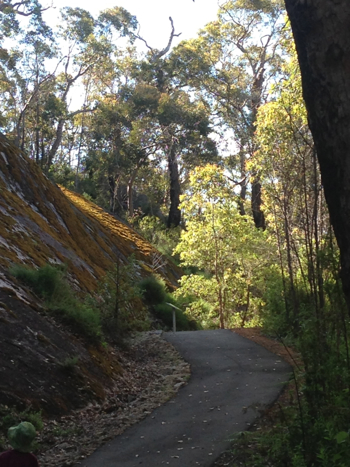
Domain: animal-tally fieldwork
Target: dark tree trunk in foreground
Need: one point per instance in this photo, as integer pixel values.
(321, 31)
(174, 211)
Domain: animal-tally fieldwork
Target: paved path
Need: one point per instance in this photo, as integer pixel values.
(229, 375)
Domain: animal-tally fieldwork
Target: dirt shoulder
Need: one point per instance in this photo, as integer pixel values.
(272, 344)
(153, 371)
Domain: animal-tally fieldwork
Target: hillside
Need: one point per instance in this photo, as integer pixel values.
(40, 224)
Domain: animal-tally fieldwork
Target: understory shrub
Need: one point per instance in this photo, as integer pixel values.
(119, 301)
(153, 290)
(49, 282)
(314, 428)
(162, 303)
(10, 417)
(44, 281)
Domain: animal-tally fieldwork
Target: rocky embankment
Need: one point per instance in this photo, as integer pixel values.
(40, 223)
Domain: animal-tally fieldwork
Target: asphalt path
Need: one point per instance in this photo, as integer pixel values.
(231, 378)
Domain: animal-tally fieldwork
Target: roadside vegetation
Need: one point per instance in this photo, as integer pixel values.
(10, 417)
(50, 284)
(123, 302)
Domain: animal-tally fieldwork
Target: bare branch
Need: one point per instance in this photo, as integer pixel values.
(240, 182)
(80, 111)
(157, 56)
(15, 8)
(35, 92)
(143, 40)
(172, 35)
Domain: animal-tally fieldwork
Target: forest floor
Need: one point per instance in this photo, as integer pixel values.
(153, 372)
(271, 416)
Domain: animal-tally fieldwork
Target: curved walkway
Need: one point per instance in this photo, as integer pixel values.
(230, 378)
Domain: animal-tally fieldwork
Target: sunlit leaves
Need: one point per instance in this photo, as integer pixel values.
(79, 24)
(219, 241)
(119, 19)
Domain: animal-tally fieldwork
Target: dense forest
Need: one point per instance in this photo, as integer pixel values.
(204, 149)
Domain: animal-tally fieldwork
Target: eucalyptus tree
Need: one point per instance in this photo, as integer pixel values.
(185, 138)
(137, 126)
(20, 8)
(92, 65)
(22, 66)
(41, 104)
(12, 14)
(120, 144)
(231, 64)
(83, 47)
(142, 120)
(183, 121)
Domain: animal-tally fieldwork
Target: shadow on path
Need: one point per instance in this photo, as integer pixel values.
(230, 375)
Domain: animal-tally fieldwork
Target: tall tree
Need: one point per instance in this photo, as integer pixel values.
(178, 119)
(321, 33)
(230, 64)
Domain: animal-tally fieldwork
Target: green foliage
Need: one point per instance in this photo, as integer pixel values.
(302, 295)
(69, 364)
(225, 246)
(162, 303)
(268, 447)
(119, 19)
(44, 281)
(67, 432)
(153, 290)
(273, 312)
(118, 300)
(62, 174)
(162, 238)
(164, 312)
(198, 294)
(80, 317)
(11, 417)
(49, 283)
(33, 417)
(312, 430)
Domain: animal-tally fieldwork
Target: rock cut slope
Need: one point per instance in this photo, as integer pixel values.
(39, 224)
(42, 223)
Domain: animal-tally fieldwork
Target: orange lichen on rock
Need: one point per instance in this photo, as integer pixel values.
(42, 223)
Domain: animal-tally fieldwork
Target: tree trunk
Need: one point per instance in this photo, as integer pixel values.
(258, 215)
(174, 218)
(56, 144)
(243, 176)
(257, 89)
(37, 118)
(130, 193)
(113, 186)
(321, 33)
